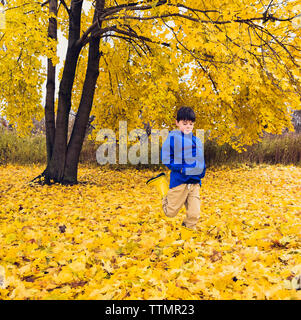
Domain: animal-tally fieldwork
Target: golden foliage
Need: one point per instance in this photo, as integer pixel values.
(23, 43)
(240, 72)
(107, 238)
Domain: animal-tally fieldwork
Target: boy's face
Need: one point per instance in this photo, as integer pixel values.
(186, 126)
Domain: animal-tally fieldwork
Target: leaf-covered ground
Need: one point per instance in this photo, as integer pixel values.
(107, 238)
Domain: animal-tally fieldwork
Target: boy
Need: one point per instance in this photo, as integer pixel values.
(182, 153)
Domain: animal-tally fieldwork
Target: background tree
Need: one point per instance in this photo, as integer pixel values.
(236, 62)
(22, 43)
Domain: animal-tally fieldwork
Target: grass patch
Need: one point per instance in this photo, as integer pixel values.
(273, 149)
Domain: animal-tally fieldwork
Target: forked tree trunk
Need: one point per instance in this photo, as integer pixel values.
(56, 164)
(82, 116)
(63, 161)
(84, 109)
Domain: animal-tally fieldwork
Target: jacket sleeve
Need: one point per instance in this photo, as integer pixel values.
(167, 155)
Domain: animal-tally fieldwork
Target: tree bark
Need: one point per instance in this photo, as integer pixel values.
(56, 165)
(82, 116)
(57, 162)
(50, 86)
(63, 160)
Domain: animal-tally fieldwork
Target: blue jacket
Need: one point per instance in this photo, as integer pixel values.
(183, 154)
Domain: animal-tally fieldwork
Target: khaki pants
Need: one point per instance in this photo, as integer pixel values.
(184, 194)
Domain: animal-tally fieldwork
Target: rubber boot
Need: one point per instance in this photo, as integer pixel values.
(161, 184)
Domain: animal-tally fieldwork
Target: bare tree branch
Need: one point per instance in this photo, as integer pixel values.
(155, 17)
(66, 7)
(278, 42)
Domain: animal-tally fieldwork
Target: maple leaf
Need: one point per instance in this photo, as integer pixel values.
(215, 256)
(106, 254)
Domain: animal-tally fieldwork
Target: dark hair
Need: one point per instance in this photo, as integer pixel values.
(186, 113)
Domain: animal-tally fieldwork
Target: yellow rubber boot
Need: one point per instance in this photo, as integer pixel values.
(161, 184)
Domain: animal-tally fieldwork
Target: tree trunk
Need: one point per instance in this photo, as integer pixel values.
(50, 86)
(82, 116)
(55, 167)
(63, 164)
